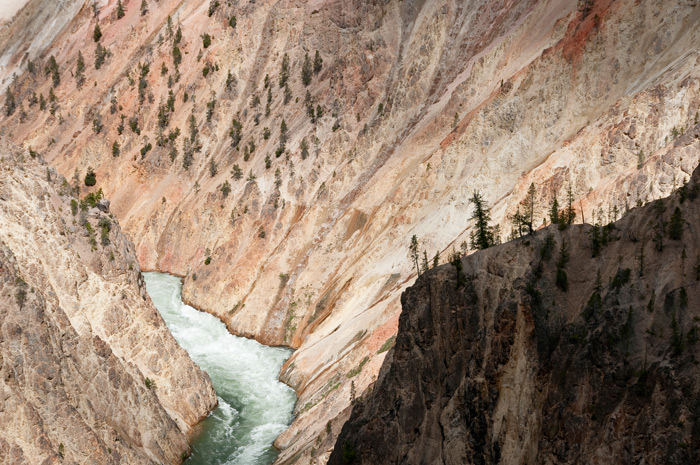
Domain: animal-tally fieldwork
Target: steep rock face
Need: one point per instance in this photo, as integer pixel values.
(508, 367)
(79, 336)
(422, 103)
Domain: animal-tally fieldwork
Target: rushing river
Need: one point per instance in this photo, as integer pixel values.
(254, 407)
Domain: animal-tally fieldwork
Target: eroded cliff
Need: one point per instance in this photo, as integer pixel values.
(299, 237)
(573, 346)
(89, 373)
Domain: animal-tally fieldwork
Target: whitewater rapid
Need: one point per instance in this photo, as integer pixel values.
(254, 406)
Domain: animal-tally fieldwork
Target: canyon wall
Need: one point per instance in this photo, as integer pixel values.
(301, 238)
(573, 346)
(89, 373)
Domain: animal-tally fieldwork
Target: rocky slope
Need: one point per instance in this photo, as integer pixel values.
(89, 372)
(421, 104)
(528, 358)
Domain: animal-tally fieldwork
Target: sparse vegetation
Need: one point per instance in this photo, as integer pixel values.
(90, 177)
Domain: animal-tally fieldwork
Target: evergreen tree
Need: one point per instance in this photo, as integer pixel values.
(90, 178)
(530, 205)
(115, 149)
(52, 69)
(10, 104)
(675, 225)
(120, 9)
(318, 63)
(425, 264)
(144, 7)
(80, 70)
(306, 72)
(554, 211)
(304, 146)
(436, 259)
(100, 55)
(483, 235)
(413, 251)
(96, 33)
(284, 70)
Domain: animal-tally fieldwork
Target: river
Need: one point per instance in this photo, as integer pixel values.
(254, 406)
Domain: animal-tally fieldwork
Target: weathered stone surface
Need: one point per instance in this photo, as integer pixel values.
(79, 336)
(509, 368)
(423, 102)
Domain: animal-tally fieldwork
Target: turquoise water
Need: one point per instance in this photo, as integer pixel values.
(254, 407)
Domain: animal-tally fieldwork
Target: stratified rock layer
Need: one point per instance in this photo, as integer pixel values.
(79, 337)
(421, 103)
(534, 359)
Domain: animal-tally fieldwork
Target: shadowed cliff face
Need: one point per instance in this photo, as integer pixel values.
(422, 102)
(531, 358)
(89, 373)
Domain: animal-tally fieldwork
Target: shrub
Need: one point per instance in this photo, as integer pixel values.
(90, 178)
(115, 149)
(225, 189)
(97, 33)
(206, 40)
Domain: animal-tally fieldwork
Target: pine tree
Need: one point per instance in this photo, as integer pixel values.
(284, 70)
(144, 7)
(554, 211)
(425, 264)
(10, 104)
(318, 63)
(80, 70)
(304, 146)
(413, 251)
(120, 9)
(306, 73)
(675, 225)
(483, 235)
(52, 69)
(115, 149)
(530, 205)
(97, 33)
(436, 259)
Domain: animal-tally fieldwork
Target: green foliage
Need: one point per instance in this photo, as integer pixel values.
(115, 149)
(349, 454)
(134, 125)
(266, 133)
(318, 63)
(483, 235)
(236, 172)
(90, 178)
(388, 344)
(304, 147)
(232, 21)
(74, 207)
(675, 225)
(213, 5)
(80, 70)
(105, 227)
(284, 71)
(100, 55)
(177, 55)
(413, 251)
(97, 33)
(120, 9)
(306, 71)
(10, 104)
(213, 168)
(206, 40)
(91, 200)
(225, 189)
(52, 69)
(268, 162)
(145, 149)
(150, 384)
(236, 133)
(621, 278)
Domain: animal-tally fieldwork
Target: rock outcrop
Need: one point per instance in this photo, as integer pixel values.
(572, 346)
(89, 373)
(300, 238)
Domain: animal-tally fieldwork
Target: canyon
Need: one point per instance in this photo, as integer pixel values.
(288, 208)
(88, 371)
(500, 359)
